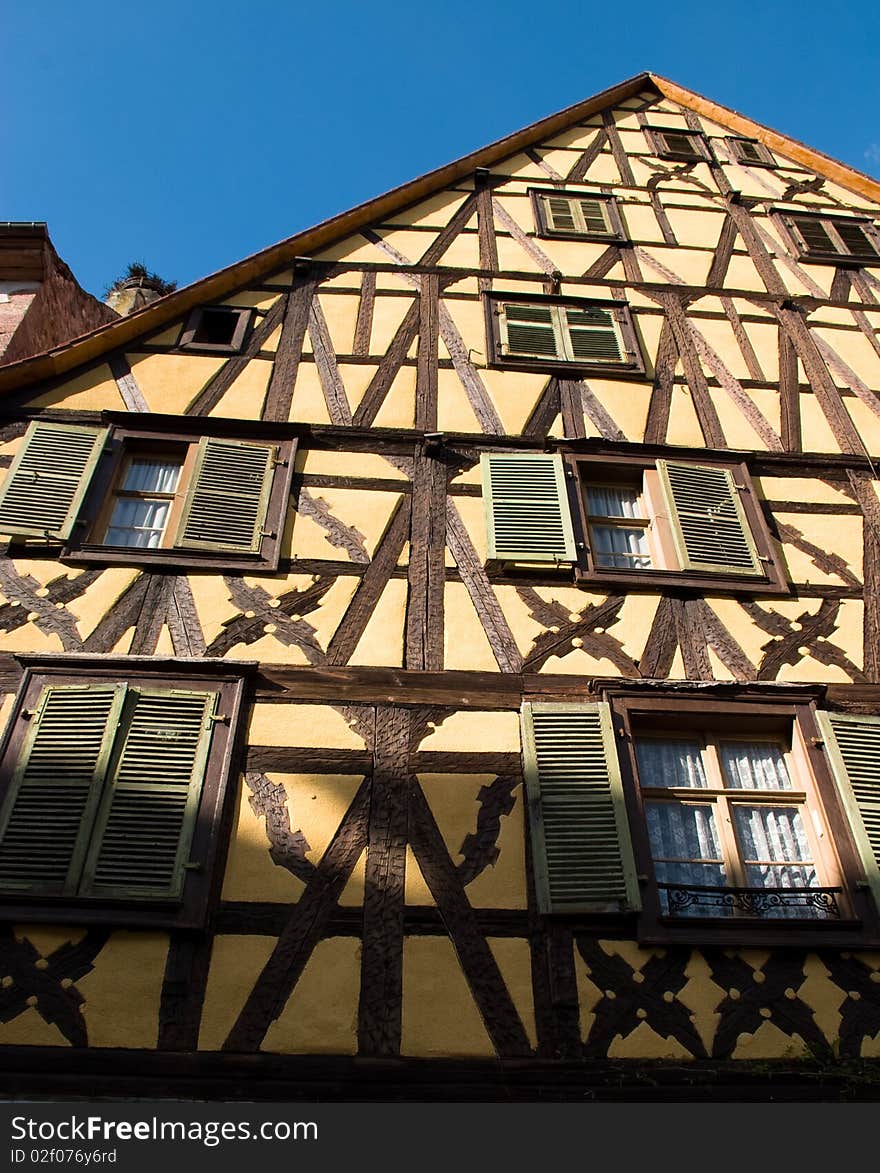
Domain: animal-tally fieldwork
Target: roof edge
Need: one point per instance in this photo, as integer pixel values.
(87, 347)
(816, 160)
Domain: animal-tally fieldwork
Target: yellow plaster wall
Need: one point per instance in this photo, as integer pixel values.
(93, 390)
(440, 1017)
(123, 991)
(320, 1016)
(170, 382)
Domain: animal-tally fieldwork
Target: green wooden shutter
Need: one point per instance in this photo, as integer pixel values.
(560, 213)
(680, 144)
(709, 525)
(595, 217)
(577, 812)
(853, 748)
(527, 516)
(855, 238)
(530, 331)
(594, 335)
(48, 479)
(48, 813)
(225, 507)
(140, 846)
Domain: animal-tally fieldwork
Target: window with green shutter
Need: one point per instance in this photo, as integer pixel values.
(576, 215)
(751, 152)
(544, 333)
(527, 514)
(852, 744)
(845, 240)
(48, 479)
(580, 836)
(674, 143)
(144, 493)
(105, 786)
(679, 523)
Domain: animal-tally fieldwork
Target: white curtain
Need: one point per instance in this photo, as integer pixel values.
(754, 766)
(670, 762)
(152, 476)
(137, 523)
(612, 502)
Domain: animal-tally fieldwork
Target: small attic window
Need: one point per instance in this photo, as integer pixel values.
(838, 240)
(672, 143)
(579, 215)
(216, 327)
(751, 152)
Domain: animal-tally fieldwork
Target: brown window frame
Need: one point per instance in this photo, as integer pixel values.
(194, 320)
(629, 470)
(787, 219)
(619, 308)
(207, 852)
(765, 159)
(165, 433)
(657, 141)
(859, 923)
(544, 229)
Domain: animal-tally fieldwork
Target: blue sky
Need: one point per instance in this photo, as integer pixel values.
(188, 135)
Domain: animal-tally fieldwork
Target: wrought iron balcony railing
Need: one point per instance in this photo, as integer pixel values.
(815, 902)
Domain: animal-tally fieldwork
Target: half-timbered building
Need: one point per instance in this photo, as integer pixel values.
(440, 652)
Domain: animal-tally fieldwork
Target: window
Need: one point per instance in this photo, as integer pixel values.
(112, 790)
(751, 152)
(729, 829)
(218, 328)
(125, 492)
(631, 520)
(579, 215)
(709, 818)
(672, 143)
(541, 333)
(833, 239)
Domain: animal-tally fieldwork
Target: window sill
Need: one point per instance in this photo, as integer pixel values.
(550, 366)
(752, 932)
(595, 237)
(121, 913)
(167, 558)
(693, 580)
(843, 260)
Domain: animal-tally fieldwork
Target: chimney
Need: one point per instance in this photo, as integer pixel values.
(132, 294)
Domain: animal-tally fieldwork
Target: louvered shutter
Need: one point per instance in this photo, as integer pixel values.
(680, 144)
(560, 213)
(814, 236)
(530, 331)
(709, 525)
(594, 214)
(855, 238)
(48, 478)
(51, 804)
(228, 496)
(594, 335)
(580, 835)
(527, 516)
(853, 748)
(145, 824)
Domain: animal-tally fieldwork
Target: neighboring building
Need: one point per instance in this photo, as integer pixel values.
(41, 302)
(556, 464)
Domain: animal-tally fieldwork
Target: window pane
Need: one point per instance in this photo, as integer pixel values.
(137, 523)
(615, 545)
(152, 476)
(606, 501)
(754, 766)
(771, 834)
(665, 762)
(687, 852)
